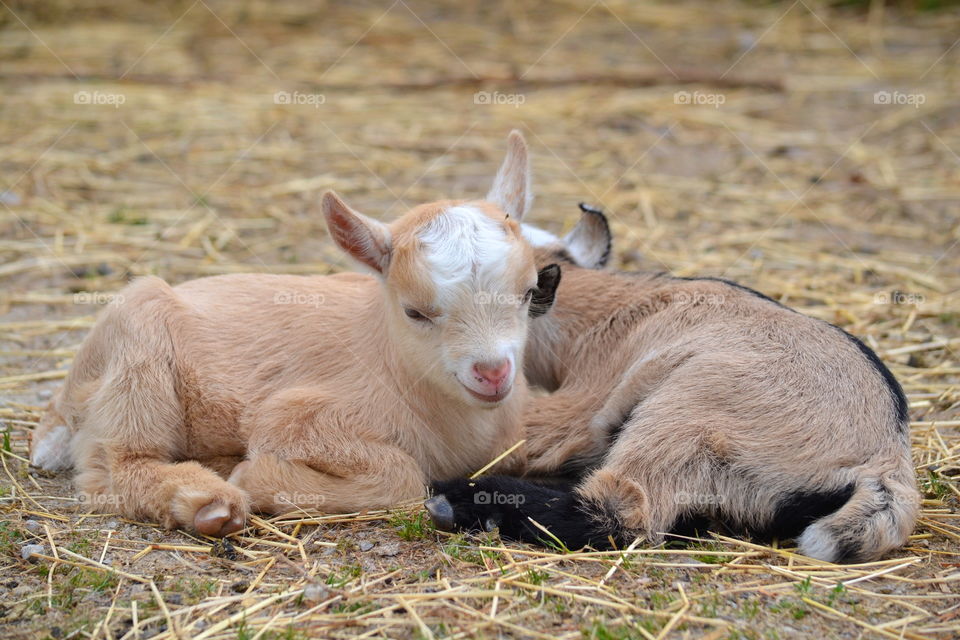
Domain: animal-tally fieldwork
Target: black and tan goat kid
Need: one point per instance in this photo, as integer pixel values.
(683, 403)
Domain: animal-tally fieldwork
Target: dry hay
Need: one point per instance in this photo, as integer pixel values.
(779, 170)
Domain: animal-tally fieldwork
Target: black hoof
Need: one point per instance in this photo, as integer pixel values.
(441, 512)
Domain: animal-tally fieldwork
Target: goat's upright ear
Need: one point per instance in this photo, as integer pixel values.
(589, 242)
(363, 239)
(511, 188)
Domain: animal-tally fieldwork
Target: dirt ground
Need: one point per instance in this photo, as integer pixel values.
(805, 149)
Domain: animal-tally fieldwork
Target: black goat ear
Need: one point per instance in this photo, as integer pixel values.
(548, 279)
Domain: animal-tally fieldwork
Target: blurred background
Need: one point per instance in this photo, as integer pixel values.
(746, 138)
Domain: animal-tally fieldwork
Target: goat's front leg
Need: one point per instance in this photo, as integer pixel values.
(304, 452)
(557, 430)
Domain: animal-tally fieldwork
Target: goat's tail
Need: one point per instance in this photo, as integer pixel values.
(877, 518)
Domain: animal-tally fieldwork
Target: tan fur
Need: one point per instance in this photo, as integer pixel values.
(331, 400)
(720, 398)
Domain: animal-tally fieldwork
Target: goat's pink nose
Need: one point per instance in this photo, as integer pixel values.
(492, 373)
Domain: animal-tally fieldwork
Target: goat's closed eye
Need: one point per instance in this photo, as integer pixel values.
(413, 314)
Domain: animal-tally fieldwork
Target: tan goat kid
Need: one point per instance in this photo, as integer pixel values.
(687, 403)
(190, 405)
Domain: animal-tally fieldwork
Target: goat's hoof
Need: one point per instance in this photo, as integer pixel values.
(215, 519)
(441, 512)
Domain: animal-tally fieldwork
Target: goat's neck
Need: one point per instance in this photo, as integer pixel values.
(586, 301)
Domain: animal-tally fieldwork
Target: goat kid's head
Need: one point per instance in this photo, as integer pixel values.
(588, 244)
(460, 281)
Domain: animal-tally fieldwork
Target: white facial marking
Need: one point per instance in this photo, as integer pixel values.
(467, 255)
(53, 451)
(466, 251)
(538, 237)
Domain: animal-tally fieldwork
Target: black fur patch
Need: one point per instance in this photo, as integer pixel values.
(692, 525)
(548, 279)
(796, 511)
(576, 467)
(510, 503)
(896, 391)
(848, 549)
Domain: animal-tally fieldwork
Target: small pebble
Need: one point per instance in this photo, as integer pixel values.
(389, 549)
(32, 526)
(315, 592)
(44, 394)
(366, 545)
(27, 550)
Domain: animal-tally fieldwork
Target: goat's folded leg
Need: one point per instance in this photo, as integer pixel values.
(305, 452)
(123, 395)
(175, 494)
(280, 485)
(570, 431)
(557, 433)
